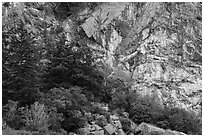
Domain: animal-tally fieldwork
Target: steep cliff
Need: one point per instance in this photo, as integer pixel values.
(155, 46)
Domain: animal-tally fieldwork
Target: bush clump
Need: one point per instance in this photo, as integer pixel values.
(72, 103)
(146, 109)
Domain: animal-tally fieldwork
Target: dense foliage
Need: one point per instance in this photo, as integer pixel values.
(146, 109)
(20, 62)
(50, 84)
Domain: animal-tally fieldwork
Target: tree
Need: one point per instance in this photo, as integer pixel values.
(72, 65)
(20, 59)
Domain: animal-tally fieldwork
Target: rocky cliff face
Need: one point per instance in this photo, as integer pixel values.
(157, 47)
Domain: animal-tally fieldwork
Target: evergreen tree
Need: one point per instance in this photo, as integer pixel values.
(20, 61)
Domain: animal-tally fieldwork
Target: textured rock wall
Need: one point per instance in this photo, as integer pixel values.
(155, 46)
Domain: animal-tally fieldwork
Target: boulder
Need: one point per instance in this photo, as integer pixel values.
(110, 129)
(101, 132)
(91, 130)
(95, 128)
(148, 129)
(120, 132)
(71, 133)
(170, 132)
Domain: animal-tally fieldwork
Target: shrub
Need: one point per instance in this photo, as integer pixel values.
(146, 109)
(72, 103)
(8, 131)
(55, 120)
(61, 98)
(127, 125)
(183, 121)
(163, 124)
(122, 96)
(12, 116)
(36, 118)
(140, 109)
(101, 121)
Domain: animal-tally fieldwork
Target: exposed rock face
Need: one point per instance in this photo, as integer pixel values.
(154, 46)
(175, 86)
(148, 129)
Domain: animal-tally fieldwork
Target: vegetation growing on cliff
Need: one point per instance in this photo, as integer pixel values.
(55, 79)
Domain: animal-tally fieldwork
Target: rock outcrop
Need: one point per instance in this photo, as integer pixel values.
(148, 129)
(155, 47)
